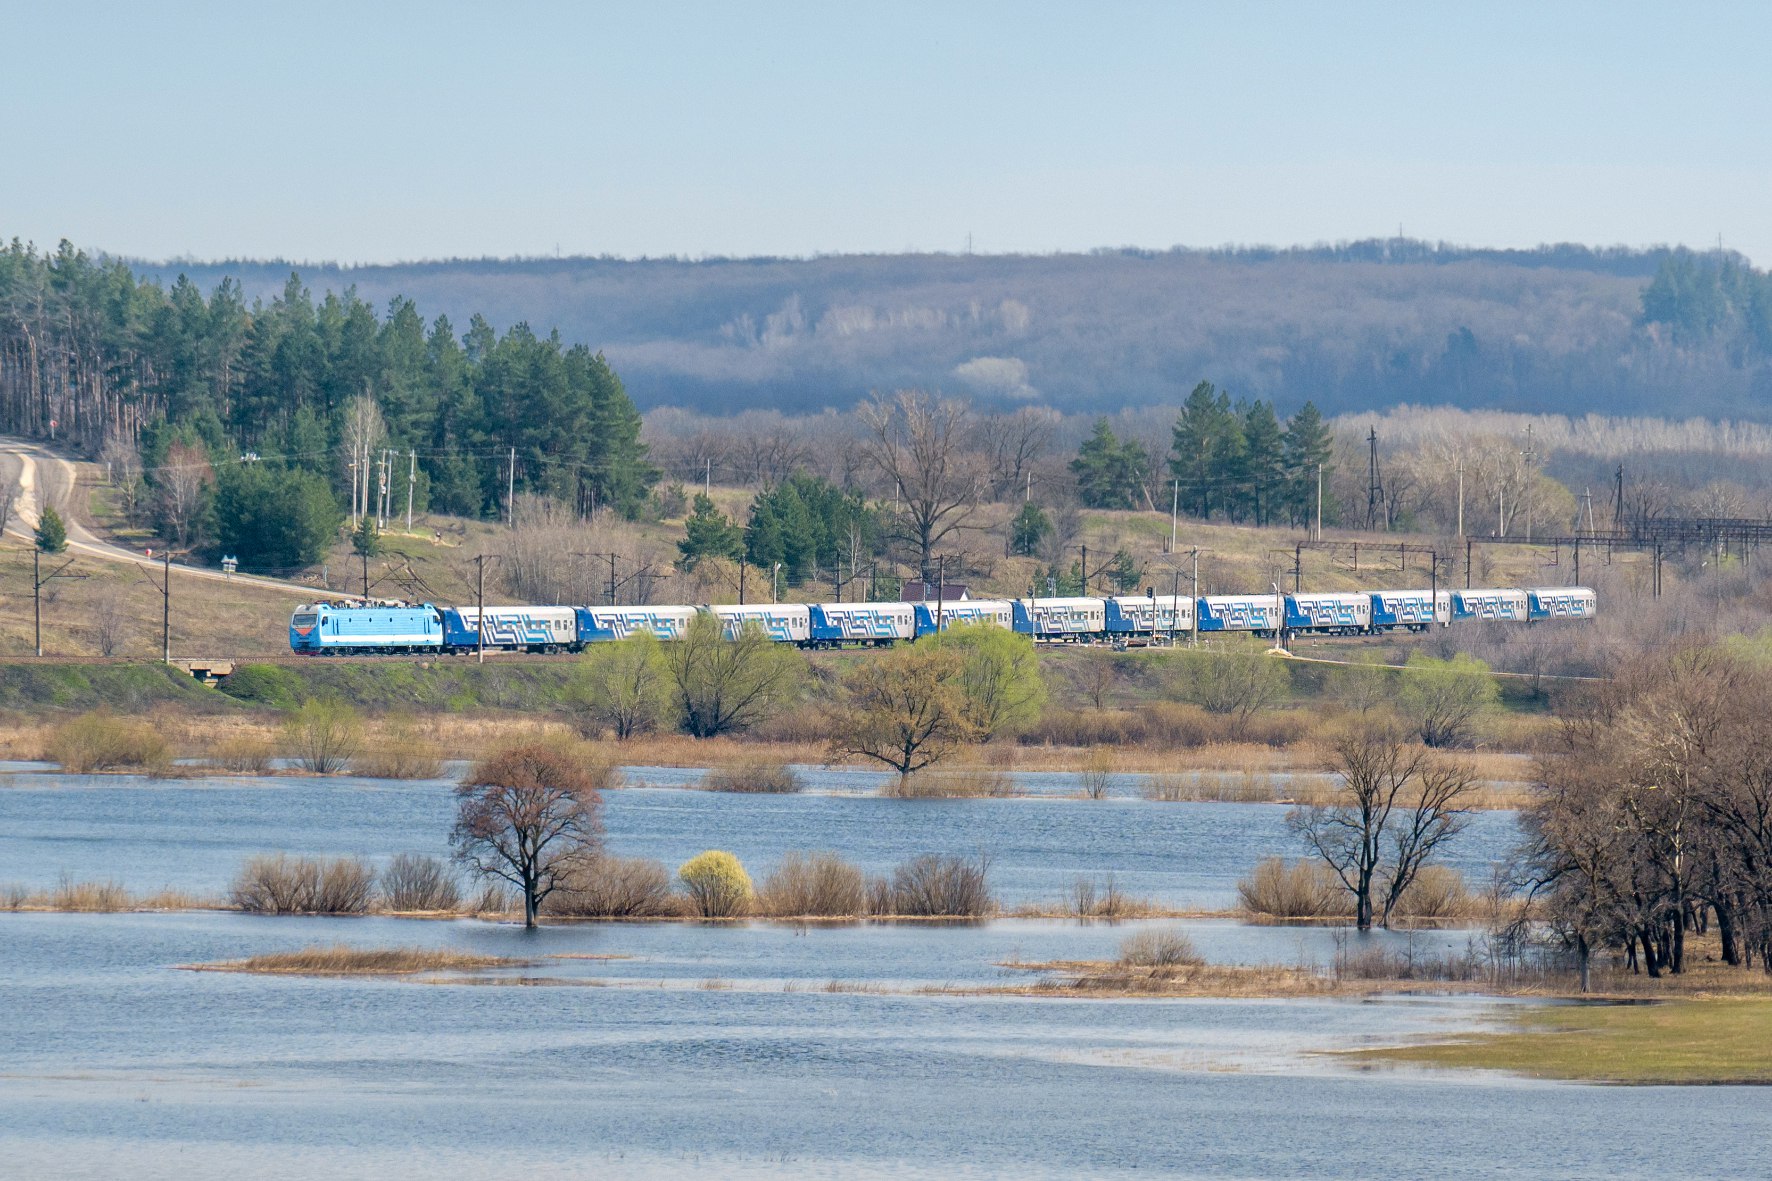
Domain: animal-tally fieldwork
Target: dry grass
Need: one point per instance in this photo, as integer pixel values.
(959, 783)
(101, 741)
(242, 754)
(758, 776)
(397, 749)
(100, 897)
(88, 896)
(1159, 951)
(1090, 978)
(353, 961)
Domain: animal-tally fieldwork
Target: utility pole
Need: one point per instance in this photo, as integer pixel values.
(612, 578)
(1175, 602)
(1084, 571)
(166, 606)
(511, 491)
(37, 582)
(741, 570)
(1175, 512)
(1194, 642)
(1027, 493)
(480, 608)
(365, 556)
(1461, 497)
(1530, 457)
(411, 483)
(775, 584)
(941, 593)
(707, 478)
(1319, 535)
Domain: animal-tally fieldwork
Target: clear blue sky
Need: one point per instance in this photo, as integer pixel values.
(379, 131)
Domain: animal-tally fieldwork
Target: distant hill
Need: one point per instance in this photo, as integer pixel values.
(1353, 327)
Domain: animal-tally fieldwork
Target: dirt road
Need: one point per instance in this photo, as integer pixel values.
(42, 477)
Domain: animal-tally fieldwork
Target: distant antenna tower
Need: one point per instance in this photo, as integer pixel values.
(1374, 483)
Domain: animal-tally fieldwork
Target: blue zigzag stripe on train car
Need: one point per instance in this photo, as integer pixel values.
(618, 623)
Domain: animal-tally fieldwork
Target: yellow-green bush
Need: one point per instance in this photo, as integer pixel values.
(717, 884)
(100, 741)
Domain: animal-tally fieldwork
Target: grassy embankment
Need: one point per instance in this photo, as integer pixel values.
(1712, 1040)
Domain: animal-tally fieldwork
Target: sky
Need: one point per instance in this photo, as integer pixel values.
(381, 132)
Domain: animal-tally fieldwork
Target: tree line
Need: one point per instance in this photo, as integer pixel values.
(1227, 459)
(181, 394)
(1656, 816)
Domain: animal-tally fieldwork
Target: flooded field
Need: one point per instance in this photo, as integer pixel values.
(744, 1050)
(193, 834)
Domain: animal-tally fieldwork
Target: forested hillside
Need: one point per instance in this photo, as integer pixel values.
(1562, 329)
(219, 415)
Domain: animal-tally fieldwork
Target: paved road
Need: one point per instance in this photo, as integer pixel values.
(43, 477)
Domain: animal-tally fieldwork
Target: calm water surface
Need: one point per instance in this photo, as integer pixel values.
(116, 1063)
(657, 1050)
(193, 834)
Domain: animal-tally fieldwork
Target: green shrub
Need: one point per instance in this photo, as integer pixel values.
(323, 736)
(717, 884)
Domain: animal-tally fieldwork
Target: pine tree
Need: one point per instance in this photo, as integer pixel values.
(1308, 448)
(1264, 464)
(1030, 528)
(707, 533)
(52, 535)
(1207, 447)
(1110, 474)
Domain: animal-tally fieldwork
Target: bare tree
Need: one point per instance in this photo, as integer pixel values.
(123, 467)
(1094, 675)
(363, 432)
(529, 815)
(1015, 443)
(918, 443)
(108, 621)
(181, 483)
(1393, 809)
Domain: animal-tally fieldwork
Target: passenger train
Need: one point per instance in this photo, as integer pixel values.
(391, 627)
